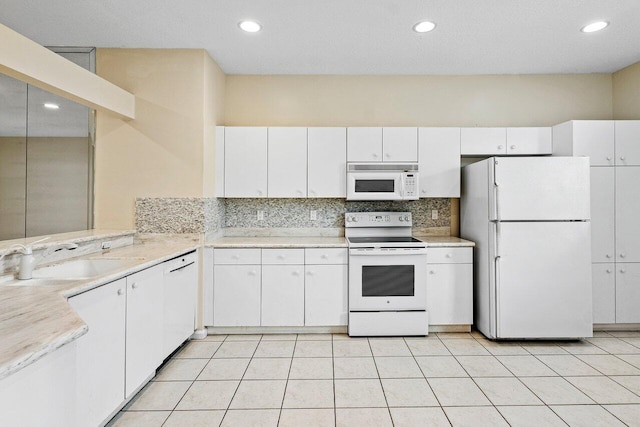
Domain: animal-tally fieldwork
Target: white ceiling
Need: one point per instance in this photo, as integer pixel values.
(351, 36)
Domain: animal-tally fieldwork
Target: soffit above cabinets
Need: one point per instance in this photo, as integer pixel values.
(352, 37)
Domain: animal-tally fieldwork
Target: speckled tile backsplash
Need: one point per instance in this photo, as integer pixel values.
(295, 213)
(179, 215)
(211, 215)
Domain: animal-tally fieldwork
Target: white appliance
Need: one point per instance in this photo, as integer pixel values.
(180, 295)
(382, 181)
(529, 218)
(387, 275)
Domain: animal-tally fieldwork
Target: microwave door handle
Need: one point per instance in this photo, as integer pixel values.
(402, 185)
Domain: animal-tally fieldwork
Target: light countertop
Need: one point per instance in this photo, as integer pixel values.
(37, 320)
(444, 241)
(278, 242)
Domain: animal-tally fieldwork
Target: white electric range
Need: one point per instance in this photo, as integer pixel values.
(387, 275)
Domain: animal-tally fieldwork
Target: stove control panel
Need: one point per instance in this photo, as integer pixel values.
(378, 219)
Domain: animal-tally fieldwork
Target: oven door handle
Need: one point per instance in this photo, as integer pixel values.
(401, 252)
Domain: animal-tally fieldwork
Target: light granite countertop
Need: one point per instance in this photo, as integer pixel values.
(319, 242)
(278, 242)
(74, 236)
(37, 320)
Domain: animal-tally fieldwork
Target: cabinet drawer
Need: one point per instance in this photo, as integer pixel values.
(236, 256)
(449, 255)
(283, 256)
(325, 256)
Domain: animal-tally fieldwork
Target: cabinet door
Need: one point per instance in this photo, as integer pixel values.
(100, 353)
(529, 141)
(287, 154)
(236, 295)
(400, 144)
(604, 293)
(483, 141)
(439, 162)
(327, 165)
(207, 286)
(325, 295)
(627, 214)
(245, 169)
(364, 144)
(594, 139)
(282, 295)
(602, 214)
(144, 326)
(627, 293)
(450, 294)
(627, 142)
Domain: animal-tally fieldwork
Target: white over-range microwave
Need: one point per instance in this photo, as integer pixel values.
(382, 181)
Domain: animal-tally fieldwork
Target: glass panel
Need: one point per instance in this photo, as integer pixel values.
(388, 280)
(375, 185)
(13, 157)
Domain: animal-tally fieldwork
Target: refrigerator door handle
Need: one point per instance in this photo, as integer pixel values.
(496, 187)
(497, 293)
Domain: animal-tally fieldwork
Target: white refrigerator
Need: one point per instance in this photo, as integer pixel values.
(529, 218)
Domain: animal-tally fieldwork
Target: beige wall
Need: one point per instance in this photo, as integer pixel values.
(626, 93)
(500, 100)
(161, 152)
(214, 96)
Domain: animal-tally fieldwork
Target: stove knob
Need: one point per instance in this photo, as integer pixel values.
(355, 219)
(406, 218)
(401, 219)
(348, 219)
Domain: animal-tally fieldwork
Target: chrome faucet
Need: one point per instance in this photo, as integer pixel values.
(28, 260)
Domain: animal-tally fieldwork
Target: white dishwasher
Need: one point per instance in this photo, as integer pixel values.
(180, 296)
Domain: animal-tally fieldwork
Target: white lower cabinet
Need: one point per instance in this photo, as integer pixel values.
(450, 286)
(236, 295)
(282, 295)
(100, 357)
(281, 287)
(627, 292)
(144, 326)
(326, 295)
(604, 292)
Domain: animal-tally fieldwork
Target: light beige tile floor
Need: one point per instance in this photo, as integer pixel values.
(455, 379)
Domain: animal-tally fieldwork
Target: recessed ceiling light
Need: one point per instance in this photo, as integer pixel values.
(249, 26)
(424, 27)
(595, 26)
(51, 106)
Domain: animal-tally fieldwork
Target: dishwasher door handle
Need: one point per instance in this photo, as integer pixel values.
(181, 267)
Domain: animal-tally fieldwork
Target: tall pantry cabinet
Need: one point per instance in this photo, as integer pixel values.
(614, 149)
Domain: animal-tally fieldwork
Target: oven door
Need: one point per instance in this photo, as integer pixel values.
(387, 279)
(374, 186)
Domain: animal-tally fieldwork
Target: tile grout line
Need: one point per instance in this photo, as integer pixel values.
(286, 384)
(373, 356)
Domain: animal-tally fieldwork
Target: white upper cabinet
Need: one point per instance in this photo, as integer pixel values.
(439, 162)
(627, 133)
(529, 141)
(327, 162)
(400, 144)
(245, 171)
(287, 162)
(483, 141)
(364, 144)
(586, 138)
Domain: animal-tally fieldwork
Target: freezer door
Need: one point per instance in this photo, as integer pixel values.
(543, 280)
(540, 189)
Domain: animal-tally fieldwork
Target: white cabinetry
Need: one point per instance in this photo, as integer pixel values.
(364, 144)
(483, 141)
(287, 162)
(180, 298)
(327, 162)
(326, 287)
(100, 357)
(282, 287)
(400, 144)
(612, 147)
(439, 162)
(144, 326)
(520, 141)
(375, 144)
(529, 141)
(450, 286)
(245, 171)
(236, 290)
